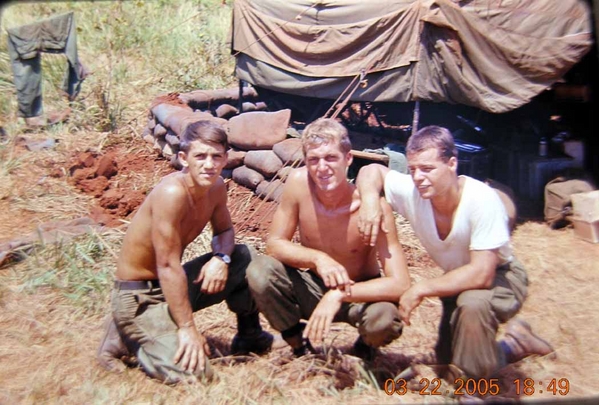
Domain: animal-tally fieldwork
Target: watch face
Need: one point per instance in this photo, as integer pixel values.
(224, 257)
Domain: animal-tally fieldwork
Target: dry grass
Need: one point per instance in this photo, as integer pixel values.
(53, 302)
(47, 326)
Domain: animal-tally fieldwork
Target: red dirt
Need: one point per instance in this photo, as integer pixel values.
(101, 176)
(170, 98)
(251, 216)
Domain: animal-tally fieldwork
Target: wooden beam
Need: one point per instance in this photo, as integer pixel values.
(376, 157)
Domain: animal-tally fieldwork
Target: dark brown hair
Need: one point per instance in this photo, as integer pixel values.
(433, 137)
(207, 131)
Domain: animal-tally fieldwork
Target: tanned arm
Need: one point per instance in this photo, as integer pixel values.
(166, 240)
(215, 272)
(478, 274)
(394, 266)
(370, 183)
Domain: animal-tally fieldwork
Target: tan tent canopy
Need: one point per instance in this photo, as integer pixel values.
(495, 54)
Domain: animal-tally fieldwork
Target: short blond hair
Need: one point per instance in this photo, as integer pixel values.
(325, 130)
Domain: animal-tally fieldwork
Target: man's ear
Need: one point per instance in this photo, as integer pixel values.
(350, 158)
(183, 158)
(453, 163)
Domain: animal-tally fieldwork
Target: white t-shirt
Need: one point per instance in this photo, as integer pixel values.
(480, 222)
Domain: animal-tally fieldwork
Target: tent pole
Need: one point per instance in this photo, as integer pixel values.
(415, 117)
(240, 102)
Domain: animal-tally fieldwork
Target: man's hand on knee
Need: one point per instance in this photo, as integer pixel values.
(408, 302)
(193, 349)
(213, 276)
(333, 274)
(320, 322)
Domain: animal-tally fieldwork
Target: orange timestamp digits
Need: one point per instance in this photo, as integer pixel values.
(470, 386)
(554, 386)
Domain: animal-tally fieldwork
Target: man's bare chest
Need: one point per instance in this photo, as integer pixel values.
(333, 233)
(193, 223)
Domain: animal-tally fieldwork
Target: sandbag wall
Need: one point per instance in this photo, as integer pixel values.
(263, 148)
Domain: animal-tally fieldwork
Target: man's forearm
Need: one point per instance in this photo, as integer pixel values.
(378, 289)
(173, 283)
(370, 181)
(292, 254)
(455, 282)
(224, 242)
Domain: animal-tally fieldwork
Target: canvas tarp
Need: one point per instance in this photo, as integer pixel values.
(495, 55)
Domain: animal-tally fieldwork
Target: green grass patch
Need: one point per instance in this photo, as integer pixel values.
(135, 50)
(81, 270)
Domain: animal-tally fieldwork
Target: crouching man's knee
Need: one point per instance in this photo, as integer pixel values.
(156, 360)
(262, 273)
(380, 324)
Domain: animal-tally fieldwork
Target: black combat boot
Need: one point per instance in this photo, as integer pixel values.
(300, 345)
(250, 337)
(364, 351)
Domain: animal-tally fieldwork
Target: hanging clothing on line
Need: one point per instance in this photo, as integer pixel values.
(25, 43)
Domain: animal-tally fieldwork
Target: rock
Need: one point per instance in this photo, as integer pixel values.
(259, 129)
(95, 186)
(264, 161)
(111, 198)
(36, 146)
(107, 166)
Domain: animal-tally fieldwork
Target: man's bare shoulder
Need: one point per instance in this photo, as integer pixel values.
(170, 187)
(297, 182)
(219, 188)
(298, 176)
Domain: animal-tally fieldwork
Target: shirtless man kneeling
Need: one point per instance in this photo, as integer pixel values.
(154, 296)
(331, 275)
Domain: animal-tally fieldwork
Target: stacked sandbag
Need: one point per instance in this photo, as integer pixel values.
(170, 114)
(263, 148)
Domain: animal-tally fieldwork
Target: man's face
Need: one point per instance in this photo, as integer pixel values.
(204, 161)
(327, 165)
(432, 176)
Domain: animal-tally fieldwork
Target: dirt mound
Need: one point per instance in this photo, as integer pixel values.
(104, 176)
(170, 98)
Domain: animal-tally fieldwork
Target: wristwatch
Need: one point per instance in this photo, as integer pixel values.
(225, 258)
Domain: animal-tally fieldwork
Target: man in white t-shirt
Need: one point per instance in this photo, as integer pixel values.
(463, 225)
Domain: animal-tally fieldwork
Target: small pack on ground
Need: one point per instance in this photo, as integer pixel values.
(558, 200)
